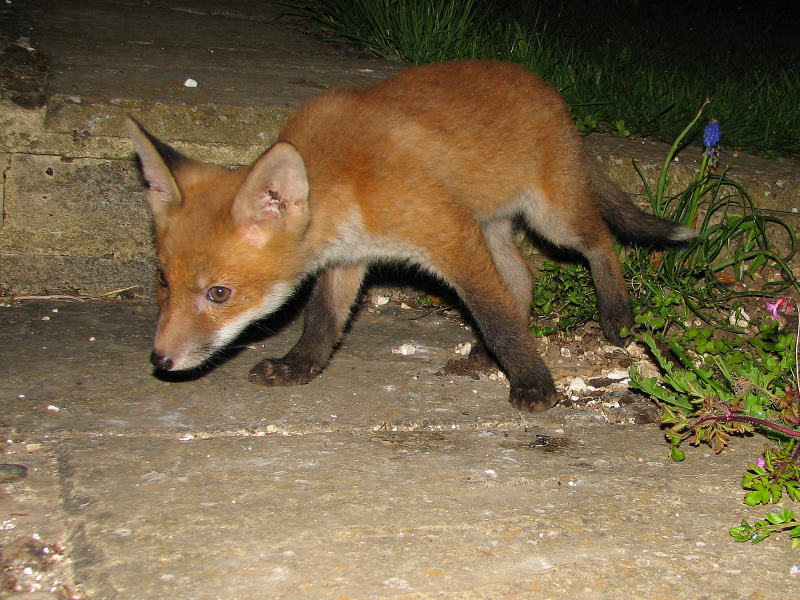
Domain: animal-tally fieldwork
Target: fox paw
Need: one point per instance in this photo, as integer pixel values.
(278, 372)
(534, 397)
(613, 322)
(611, 331)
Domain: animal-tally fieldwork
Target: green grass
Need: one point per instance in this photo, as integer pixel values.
(624, 66)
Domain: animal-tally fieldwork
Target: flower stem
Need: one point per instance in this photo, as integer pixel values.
(729, 415)
(662, 179)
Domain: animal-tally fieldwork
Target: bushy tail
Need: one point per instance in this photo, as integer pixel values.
(628, 221)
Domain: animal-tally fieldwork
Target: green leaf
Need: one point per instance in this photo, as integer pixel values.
(758, 496)
(761, 535)
(742, 533)
(773, 518)
(787, 515)
(793, 490)
(677, 454)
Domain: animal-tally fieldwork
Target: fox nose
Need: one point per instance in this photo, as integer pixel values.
(163, 363)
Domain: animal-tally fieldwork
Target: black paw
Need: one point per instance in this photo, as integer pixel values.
(612, 326)
(278, 372)
(534, 397)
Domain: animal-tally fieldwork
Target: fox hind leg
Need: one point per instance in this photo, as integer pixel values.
(585, 231)
(499, 236)
(479, 278)
(613, 301)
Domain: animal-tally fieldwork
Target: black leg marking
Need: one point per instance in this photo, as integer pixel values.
(326, 314)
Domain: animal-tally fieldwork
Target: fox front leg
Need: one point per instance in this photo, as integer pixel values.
(326, 314)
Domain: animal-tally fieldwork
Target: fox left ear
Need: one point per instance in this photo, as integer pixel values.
(273, 195)
(157, 161)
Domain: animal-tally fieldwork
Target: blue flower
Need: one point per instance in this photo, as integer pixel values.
(711, 136)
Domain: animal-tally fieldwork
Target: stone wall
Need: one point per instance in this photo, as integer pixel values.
(75, 219)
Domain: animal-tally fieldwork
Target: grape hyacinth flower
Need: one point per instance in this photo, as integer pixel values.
(711, 137)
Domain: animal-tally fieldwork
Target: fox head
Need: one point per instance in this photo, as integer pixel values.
(227, 244)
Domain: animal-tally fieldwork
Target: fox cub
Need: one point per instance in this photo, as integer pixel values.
(430, 167)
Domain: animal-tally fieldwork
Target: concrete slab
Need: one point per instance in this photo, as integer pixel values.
(366, 387)
(467, 514)
(380, 479)
(240, 53)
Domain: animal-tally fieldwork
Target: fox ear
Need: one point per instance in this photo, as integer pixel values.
(273, 195)
(157, 160)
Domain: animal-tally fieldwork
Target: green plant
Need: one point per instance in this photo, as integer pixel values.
(776, 471)
(428, 301)
(733, 242)
(772, 522)
(563, 299)
(717, 384)
(725, 385)
(715, 377)
(410, 30)
(589, 124)
(703, 279)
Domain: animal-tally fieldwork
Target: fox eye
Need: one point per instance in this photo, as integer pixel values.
(218, 294)
(161, 278)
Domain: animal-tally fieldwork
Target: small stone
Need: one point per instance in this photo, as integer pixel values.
(646, 369)
(9, 473)
(617, 374)
(634, 350)
(464, 349)
(739, 318)
(578, 385)
(379, 300)
(404, 349)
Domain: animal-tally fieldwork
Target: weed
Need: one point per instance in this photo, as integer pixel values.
(772, 522)
(722, 385)
(563, 299)
(732, 245)
(409, 30)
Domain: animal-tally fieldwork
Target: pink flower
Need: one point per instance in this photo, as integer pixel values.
(761, 463)
(779, 305)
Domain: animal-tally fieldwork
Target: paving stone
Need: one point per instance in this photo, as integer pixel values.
(380, 479)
